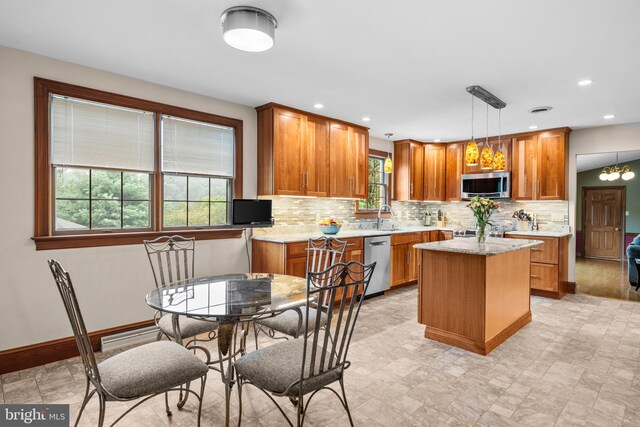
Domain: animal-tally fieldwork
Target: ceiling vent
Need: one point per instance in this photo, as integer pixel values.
(540, 109)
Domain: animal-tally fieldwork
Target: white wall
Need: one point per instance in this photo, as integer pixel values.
(110, 282)
(380, 144)
(603, 139)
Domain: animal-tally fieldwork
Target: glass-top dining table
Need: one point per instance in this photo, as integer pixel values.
(232, 300)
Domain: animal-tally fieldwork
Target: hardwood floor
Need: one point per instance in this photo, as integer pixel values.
(604, 278)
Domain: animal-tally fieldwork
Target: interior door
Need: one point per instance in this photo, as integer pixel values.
(603, 222)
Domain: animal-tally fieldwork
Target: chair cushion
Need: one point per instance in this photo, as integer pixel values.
(276, 367)
(287, 322)
(189, 327)
(636, 240)
(149, 369)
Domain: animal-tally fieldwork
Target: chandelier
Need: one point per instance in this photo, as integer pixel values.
(612, 173)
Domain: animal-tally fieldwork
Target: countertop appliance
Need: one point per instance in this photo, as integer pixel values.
(494, 185)
(378, 249)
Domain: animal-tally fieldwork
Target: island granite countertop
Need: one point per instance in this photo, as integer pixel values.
(493, 246)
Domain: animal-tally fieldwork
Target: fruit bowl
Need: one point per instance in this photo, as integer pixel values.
(329, 226)
(329, 229)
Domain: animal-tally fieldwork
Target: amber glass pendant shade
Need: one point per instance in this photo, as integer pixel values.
(486, 158)
(499, 161)
(388, 165)
(471, 153)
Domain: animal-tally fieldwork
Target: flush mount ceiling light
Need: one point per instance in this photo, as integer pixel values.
(248, 28)
(585, 82)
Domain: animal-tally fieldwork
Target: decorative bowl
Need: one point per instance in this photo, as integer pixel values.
(329, 229)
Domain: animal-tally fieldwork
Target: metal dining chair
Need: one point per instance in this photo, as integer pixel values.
(322, 253)
(142, 372)
(307, 365)
(172, 258)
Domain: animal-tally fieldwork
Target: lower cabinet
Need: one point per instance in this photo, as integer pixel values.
(291, 258)
(549, 266)
(405, 260)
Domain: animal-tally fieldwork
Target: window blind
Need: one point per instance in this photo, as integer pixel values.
(197, 147)
(93, 134)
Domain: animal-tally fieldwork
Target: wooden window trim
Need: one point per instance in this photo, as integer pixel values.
(43, 224)
(361, 213)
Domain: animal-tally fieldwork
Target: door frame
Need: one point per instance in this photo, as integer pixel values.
(623, 209)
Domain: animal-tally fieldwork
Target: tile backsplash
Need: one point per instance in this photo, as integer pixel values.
(295, 215)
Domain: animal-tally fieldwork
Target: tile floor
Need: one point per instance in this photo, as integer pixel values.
(575, 364)
(604, 278)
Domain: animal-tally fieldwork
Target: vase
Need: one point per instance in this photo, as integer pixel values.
(481, 233)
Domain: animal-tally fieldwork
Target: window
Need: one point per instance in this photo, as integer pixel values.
(111, 169)
(378, 184)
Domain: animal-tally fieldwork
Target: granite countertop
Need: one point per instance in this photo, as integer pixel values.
(303, 237)
(539, 233)
(493, 246)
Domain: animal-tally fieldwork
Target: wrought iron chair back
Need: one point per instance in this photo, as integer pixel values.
(326, 348)
(63, 282)
(172, 258)
(322, 253)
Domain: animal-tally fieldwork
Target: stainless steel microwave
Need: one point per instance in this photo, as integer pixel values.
(493, 185)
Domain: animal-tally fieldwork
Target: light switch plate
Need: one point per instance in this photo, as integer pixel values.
(626, 213)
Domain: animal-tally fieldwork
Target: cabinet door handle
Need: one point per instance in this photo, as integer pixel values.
(533, 276)
(411, 188)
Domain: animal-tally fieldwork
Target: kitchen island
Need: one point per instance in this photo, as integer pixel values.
(474, 296)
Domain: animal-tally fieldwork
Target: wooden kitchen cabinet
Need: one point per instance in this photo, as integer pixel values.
(405, 259)
(454, 160)
(349, 166)
(549, 266)
(540, 164)
(304, 154)
(434, 172)
(408, 170)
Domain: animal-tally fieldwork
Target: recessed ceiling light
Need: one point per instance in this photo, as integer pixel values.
(436, 140)
(585, 82)
(318, 106)
(608, 117)
(533, 127)
(366, 119)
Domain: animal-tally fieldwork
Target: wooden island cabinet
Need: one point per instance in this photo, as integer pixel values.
(305, 154)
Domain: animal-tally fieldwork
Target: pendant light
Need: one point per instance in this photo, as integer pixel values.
(471, 152)
(486, 157)
(499, 161)
(611, 173)
(388, 163)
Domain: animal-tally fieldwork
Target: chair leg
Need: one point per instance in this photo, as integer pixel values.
(203, 381)
(239, 384)
(87, 397)
(346, 405)
(166, 404)
(300, 412)
(103, 408)
(183, 397)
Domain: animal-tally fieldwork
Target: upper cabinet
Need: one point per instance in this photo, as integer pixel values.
(408, 170)
(303, 154)
(540, 165)
(418, 171)
(453, 171)
(434, 172)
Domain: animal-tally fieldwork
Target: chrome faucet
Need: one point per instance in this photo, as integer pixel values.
(379, 219)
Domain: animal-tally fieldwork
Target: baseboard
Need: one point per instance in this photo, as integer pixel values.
(16, 359)
(546, 294)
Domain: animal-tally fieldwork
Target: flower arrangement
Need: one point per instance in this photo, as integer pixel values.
(482, 209)
(329, 225)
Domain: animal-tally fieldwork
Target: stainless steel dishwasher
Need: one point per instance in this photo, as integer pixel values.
(378, 249)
